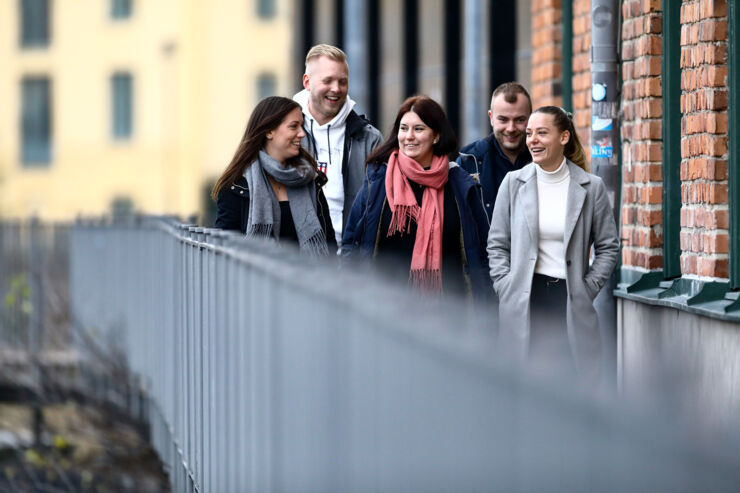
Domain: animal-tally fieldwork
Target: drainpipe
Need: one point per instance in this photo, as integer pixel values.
(567, 65)
(605, 149)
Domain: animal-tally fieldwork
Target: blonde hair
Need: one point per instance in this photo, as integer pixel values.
(329, 51)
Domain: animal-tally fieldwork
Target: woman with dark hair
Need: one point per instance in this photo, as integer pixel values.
(547, 217)
(272, 187)
(417, 214)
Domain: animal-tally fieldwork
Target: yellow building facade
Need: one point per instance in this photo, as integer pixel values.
(136, 101)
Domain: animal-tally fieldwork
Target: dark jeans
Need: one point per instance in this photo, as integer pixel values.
(548, 340)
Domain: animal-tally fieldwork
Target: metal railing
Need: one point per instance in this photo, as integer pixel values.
(33, 287)
(268, 371)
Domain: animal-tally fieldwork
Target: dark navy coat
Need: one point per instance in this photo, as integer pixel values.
(361, 231)
(485, 161)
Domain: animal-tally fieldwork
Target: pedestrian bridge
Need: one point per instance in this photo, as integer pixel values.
(265, 370)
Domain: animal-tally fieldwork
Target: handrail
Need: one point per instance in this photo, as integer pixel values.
(270, 371)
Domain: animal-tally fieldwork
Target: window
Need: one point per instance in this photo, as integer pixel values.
(733, 14)
(36, 121)
(120, 9)
(122, 102)
(34, 23)
(266, 86)
(266, 9)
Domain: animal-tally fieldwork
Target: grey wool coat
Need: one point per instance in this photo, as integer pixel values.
(512, 255)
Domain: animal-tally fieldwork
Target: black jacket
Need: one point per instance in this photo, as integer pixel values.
(488, 165)
(233, 210)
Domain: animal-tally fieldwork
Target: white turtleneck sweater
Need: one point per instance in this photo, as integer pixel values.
(552, 197)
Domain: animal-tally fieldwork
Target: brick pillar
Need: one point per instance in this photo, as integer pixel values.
(582, 72)
(546, 52)
(642, 217)
(704, 212)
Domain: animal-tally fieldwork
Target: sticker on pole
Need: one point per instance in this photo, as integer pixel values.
(598, 92)
(602, 148)
(601, 123)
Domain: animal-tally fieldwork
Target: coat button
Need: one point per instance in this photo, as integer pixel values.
(242, 191)
(567, 262)
(232, 187)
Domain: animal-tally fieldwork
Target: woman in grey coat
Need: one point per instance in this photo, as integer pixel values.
(547, 217)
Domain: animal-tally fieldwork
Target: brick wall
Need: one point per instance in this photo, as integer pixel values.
(582, 72)
(704, 212)
(546, 52)
(642, 217)
(703, 166)
(547, 55)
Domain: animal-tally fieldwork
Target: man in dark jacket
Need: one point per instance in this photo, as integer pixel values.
(489, 159)
(337, 137)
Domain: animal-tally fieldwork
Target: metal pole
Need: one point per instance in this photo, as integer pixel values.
(355, 16)
(473, 83)
(605, 148)
(35, 326)
(410, 47)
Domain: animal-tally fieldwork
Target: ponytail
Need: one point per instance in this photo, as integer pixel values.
(563, 121)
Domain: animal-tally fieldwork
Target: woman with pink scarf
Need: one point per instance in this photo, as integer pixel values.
(418, 216)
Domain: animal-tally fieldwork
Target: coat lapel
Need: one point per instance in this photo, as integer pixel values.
(576, 198)
(528, 198)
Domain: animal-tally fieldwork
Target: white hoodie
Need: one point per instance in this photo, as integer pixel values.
(328, 140)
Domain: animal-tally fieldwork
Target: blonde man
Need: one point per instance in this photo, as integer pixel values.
(337, 137)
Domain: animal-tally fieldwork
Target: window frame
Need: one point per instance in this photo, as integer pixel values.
(121, 10)
(671, 135)
(266, 9)
(29, 38)
(264, 78)
(122, 124)
(30, 155)
(566, 84)
(733, 114)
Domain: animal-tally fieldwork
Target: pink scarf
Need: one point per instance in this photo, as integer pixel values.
(426, 261)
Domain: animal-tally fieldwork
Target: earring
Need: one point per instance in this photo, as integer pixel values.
(436, 140)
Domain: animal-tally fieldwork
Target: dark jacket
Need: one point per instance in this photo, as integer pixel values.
(233, 210)
(361, 232)
(488, 165)
(360, 139)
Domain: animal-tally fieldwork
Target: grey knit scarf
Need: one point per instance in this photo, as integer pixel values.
(264, 208)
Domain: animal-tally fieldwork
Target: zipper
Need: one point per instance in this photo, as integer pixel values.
(367, 202)
(320, 208)
(380, 222)
(466, 274)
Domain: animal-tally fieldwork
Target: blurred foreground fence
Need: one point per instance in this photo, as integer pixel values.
(269, 372)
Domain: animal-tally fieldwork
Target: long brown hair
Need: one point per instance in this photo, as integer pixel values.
(267, 116)
(564, 121)
(433, 116)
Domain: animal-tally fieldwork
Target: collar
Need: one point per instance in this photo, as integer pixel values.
(556, 176)
(522, 158)
(576, 173)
